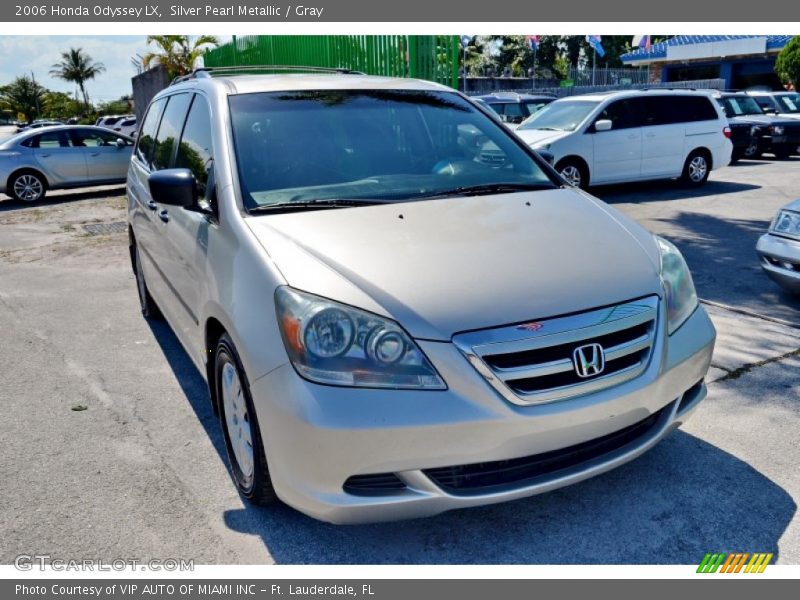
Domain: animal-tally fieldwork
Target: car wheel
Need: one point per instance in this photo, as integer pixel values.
(782, 153)
(696, 169)
(574, 173)
(752, 150)
(149, 307)
(237, 416)
(27, 186)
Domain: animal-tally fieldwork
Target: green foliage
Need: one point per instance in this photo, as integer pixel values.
(178, 54)
(58, 105)
(23, 96)
(787, 65)
(555, 55)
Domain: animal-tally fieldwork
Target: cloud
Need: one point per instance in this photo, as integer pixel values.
(21, 55)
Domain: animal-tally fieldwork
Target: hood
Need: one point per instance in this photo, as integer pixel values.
(444, 266)
(534, 137)
(762, 119)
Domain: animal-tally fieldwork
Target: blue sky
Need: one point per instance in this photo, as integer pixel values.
(25, 53)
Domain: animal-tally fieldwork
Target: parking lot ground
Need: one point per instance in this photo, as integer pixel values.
(111, 449)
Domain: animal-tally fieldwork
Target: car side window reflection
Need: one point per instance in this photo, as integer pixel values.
(195, 149)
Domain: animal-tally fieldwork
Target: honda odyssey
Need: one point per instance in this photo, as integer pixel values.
(399, 307)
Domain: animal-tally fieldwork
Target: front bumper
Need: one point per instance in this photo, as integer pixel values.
(780, 259)
(316, 437)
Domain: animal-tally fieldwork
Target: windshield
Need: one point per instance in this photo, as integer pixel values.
(790, 103)
(740, 105)
(536, 106)
(562, 115)
(382, 145)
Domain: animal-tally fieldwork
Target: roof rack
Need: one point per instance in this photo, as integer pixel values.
(206, 72)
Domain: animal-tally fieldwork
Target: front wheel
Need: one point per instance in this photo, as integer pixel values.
(574, 173)
(149, 307)
(237, 416)
(27, 187)
(696, 169)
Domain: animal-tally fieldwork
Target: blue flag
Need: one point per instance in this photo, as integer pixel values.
(594, 42)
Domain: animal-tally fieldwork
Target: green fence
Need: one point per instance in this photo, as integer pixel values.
(431, 57)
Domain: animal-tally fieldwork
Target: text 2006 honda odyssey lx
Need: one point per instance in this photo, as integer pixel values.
(399, 307)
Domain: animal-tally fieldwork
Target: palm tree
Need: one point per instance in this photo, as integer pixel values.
(178, 54)
(78, 67)
(23, 95)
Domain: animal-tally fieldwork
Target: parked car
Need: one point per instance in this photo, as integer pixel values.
(390, 325)
(783, 104)
(780, 136)
(66, 156)
(38, 125)
(124, 124)
(746, 138)
(632, 135)
(513, 107)
(779, 248)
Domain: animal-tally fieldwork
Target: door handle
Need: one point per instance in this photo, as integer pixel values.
(650, 135)
(632, 136)
(151, 204)
(164, 216)
(94, 154)
(45, 155)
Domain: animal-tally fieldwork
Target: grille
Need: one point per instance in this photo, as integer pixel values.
(483, 477)
(373, 485)
(534, 362)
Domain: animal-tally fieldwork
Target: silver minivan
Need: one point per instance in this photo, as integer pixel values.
(392, 320)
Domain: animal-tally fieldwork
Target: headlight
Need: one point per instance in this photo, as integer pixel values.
(336, 344)
(678, 285)
(777, 129)
(541, 146)
(787, 223)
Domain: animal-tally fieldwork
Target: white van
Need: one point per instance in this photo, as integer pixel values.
(632, 135)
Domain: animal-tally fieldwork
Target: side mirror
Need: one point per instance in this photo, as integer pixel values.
(174, 187)
(120, 143)
(603, 125)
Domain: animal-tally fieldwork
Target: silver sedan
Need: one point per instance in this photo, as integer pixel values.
(62, 157)
(779, 248)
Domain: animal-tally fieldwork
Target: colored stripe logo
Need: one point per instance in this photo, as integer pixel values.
(735, 562)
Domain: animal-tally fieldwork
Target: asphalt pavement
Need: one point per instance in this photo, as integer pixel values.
(111, 449)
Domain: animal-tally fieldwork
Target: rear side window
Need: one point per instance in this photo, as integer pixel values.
(169, 131)
(667, 110)
(194, 152)
(52, 139)
(623, 114)
(148, 132)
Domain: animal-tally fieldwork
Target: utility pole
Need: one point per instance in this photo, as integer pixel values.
(36, 96)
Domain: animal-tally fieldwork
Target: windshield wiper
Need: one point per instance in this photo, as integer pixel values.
(317, 204)
(491, 188)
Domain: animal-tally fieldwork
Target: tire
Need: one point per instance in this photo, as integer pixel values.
(752, 151)
(27, 186)
(149, 307)
(696, 169)
(245, 450)
(574, 172)
(782, 153)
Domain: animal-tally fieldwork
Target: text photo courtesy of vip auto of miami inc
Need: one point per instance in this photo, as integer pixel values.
(400, 299)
